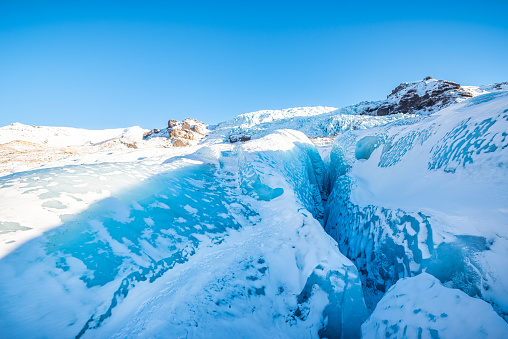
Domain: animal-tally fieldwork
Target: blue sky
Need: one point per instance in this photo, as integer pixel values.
(123, 63)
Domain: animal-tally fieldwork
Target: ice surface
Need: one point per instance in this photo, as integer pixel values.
(427, 196)
(312, 121)
(434, 311)
(220, 242)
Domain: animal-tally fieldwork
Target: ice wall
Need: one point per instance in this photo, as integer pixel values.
(427, 194)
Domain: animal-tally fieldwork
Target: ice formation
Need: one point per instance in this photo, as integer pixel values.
(135, 238)
(313, 121)
(433, 312)
(427, 196)
(237, 265)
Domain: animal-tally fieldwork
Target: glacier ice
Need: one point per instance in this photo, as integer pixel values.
(429, 196)
(190, 246)
(312, 121)
(433, 312)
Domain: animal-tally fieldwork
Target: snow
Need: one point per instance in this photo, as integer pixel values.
(434, 312)
(65, 136)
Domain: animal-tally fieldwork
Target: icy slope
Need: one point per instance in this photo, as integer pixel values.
(434, 312)
(427, 196)
(219, 242)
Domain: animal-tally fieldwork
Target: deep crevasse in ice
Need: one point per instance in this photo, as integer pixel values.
(221, 241)
(427, 194)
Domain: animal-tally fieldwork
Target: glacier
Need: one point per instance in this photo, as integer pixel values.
(429, 196)
(206, 218)
(329, 223)
(434, 312)
(312, 121)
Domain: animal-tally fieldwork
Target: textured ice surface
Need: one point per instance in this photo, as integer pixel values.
(434, 311)
(312, 121)
(427, 196)
(222, 243)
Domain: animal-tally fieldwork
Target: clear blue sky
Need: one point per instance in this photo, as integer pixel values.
(112, 64)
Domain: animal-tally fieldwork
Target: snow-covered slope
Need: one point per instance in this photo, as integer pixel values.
(65, 136)
(427, 196)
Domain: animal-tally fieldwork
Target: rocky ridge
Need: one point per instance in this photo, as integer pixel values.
(424, 97)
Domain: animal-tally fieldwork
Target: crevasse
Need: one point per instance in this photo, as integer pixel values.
(426, 196)
(222, 241)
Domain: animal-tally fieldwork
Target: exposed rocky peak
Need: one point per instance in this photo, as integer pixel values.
(181, 133)
(422, 97)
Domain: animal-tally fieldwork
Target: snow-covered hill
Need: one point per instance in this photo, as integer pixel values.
(254, 232)
(426, 96)
(65, 136)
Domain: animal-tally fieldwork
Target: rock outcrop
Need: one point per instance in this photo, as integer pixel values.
(421, 97)
(239, 137)
(181, 133)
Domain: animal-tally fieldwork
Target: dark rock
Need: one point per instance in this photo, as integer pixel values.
(236, 138)
(426, 96)
(499, 86)
(147, 134)
(172, 123)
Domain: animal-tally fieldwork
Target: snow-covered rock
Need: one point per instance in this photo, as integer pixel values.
(181, 133)
(421, 307)
(424, 97)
